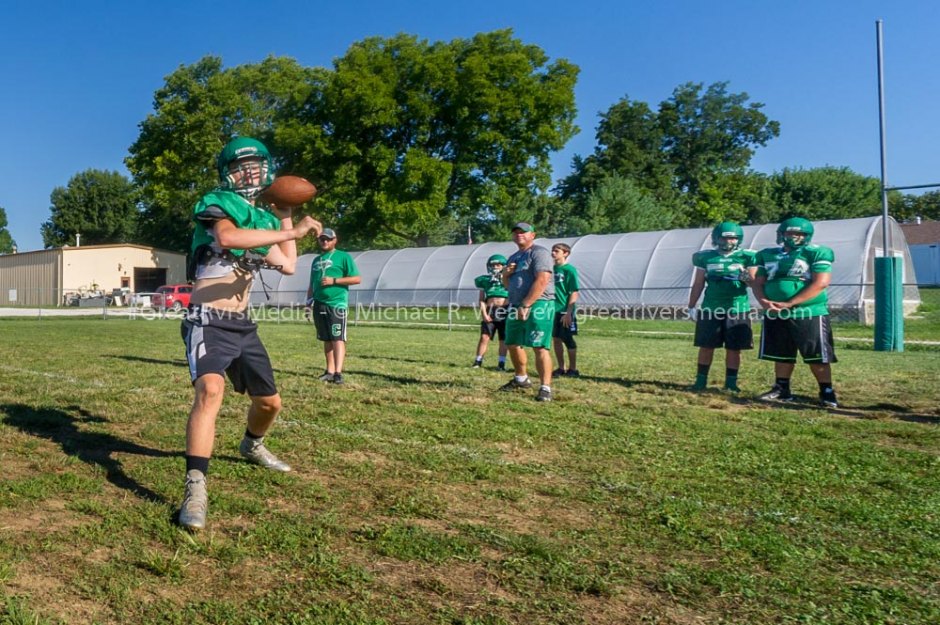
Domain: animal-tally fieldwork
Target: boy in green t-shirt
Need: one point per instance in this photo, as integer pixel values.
(331, 275)
(565, 325)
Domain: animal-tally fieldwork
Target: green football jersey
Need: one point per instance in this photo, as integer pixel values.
(334, 264)
(492, 286)
(788, 273)
(566, 283)
(724, 288)
(236, 208)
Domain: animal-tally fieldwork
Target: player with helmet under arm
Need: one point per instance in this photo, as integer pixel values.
(790, 285)
(493, 309)
(723, 319)
(233, 238)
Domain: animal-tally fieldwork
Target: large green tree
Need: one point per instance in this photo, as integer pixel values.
(6, 240)
(408, 141)
(711, 133)
(199, 109)
(618, 204)
(825, 193)
(908, 207)
(682, 154)
(102, 206)
(424, 138)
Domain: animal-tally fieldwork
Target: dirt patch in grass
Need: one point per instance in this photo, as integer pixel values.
(638, 606)
(515, 454)
(45, 517)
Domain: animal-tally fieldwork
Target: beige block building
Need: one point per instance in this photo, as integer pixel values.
(48, 277)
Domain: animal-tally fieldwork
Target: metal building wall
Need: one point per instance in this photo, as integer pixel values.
(33, 278)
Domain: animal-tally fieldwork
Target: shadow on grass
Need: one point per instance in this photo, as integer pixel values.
(627, 383)
(182, 363)
(802, 403)
(62, 427)
(397, 379)
(149, 361)
(435, 363)
(901, 413)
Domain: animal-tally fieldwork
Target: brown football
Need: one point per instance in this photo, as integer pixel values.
(289, 191)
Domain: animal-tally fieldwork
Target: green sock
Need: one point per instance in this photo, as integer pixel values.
(731, 379)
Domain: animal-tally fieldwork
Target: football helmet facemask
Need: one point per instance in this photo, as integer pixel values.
(244, 166)
(794, 226)
(727, 236)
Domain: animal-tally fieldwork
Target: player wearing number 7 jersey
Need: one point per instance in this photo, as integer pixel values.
(790, 285)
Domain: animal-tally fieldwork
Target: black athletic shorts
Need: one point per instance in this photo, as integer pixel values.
(729, 330)
(811, 337)
(565, 333)
(497, 326)
(330, 322)
(227, 344)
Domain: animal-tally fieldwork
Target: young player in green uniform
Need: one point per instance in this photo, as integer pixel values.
(723, 318)
(233, 239)
(493, 310)
(566, 324)
(331, 275)
(790, 284)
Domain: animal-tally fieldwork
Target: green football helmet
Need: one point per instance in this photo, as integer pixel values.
(795, 225)
(243, 148)
(723, 232)
(496, 259)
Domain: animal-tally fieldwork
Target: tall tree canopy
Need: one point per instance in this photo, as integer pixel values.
(196, 112)
(909, 207)
(102, 206)
(407, 140)
(423, 138)
(697, 140)
(825, 193)
(6, 240)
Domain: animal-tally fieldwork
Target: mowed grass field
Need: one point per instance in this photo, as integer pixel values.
(421, 494)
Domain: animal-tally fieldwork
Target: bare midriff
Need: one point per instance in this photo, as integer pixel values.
(228, 293)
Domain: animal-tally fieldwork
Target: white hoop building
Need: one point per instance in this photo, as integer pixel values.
(636, 269)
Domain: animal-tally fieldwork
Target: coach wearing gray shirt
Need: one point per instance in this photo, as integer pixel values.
(528, 277)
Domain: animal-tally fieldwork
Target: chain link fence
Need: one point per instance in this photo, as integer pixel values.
(450, 308)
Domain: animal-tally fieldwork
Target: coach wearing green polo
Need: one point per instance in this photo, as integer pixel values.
(331, 275)
(528, 278)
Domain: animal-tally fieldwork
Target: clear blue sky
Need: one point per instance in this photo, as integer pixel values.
(79, 76)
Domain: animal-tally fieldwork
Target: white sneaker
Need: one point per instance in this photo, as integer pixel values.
(195, 501)
(255, 451)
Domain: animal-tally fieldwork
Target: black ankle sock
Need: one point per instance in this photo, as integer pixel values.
(783, 383)
(197, 462)
(826, 387)
(252, 436)
(703, 370)
(731, 373)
